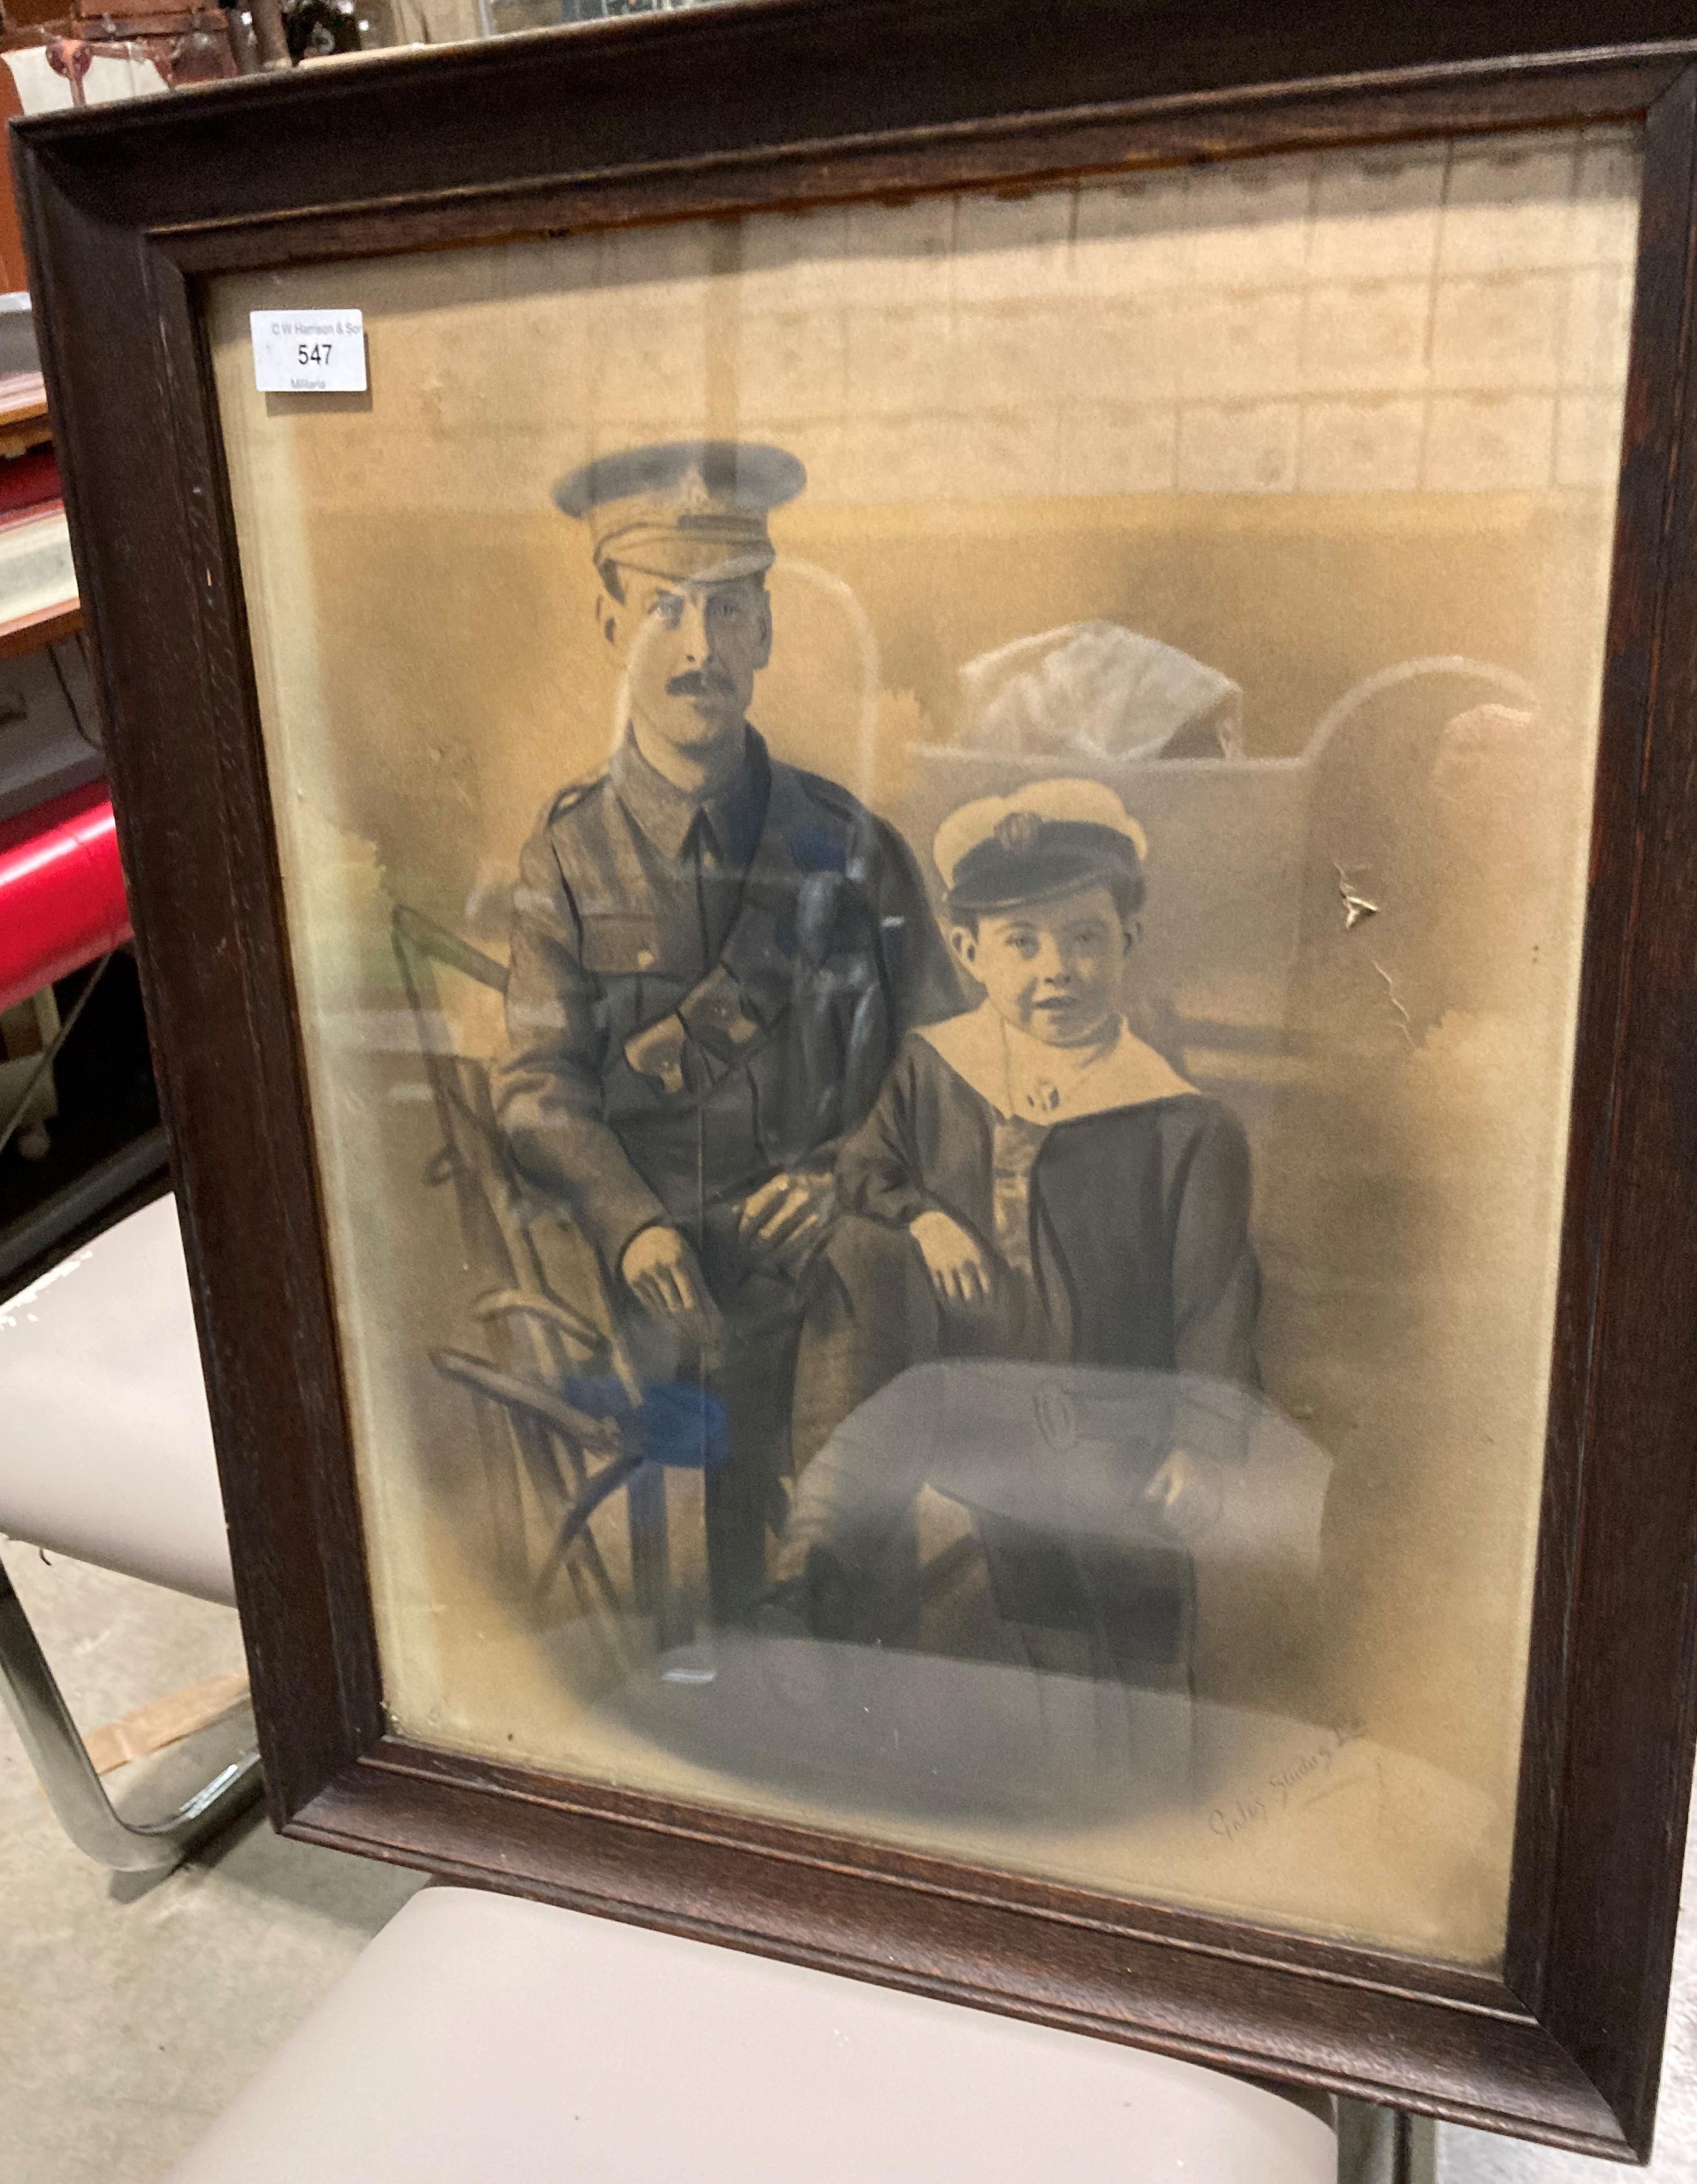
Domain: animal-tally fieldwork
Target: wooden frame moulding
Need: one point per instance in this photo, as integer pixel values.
(759, 103)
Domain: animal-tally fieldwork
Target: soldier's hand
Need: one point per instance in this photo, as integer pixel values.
(788, 1214)
(962, 1271)
(663, 1275)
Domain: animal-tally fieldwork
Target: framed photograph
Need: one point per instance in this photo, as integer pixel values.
(911, 806)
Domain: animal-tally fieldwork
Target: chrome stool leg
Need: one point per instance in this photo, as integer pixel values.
(1384, 2146)
(67, 1773)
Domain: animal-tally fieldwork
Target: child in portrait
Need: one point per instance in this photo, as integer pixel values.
(1034, 1184)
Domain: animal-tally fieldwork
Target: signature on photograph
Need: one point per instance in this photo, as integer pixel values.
(1295, 1785)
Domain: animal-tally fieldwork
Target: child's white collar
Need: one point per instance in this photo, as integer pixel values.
(1019, 1076)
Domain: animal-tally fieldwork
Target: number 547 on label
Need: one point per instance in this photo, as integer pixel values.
(309, 352)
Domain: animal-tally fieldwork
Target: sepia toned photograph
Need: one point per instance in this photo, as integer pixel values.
(934, 857)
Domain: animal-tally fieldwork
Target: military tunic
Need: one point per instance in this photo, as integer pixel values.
(705, 993)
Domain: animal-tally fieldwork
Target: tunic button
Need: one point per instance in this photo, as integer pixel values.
(645, 959)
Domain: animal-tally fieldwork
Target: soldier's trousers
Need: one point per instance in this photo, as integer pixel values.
(752, 1374)
(872, 1312)
(790, 1364)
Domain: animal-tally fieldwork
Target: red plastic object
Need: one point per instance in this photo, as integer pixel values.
(61, 891)
(30, 480)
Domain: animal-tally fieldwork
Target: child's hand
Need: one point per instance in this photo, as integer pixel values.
(1187, 1493)
(963, 1273)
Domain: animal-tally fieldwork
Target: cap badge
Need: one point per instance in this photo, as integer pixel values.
(1018, 832)
(692, 495)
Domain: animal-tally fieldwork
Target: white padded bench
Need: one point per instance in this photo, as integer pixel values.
(482, 2037)
(107, 1450)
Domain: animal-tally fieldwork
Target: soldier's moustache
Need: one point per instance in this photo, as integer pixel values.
(700, 682)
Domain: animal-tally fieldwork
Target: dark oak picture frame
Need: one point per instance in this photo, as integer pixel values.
(759, 104)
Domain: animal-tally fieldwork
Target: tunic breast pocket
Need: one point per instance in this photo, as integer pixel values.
(625, 954)
(624, 945)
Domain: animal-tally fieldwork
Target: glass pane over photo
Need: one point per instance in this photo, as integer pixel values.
(934, 857)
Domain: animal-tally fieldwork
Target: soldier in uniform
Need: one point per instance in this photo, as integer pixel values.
(715, 956)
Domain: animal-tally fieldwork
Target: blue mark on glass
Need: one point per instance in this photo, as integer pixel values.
(681, 1427)
(817, 849)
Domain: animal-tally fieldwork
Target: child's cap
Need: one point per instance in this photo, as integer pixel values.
(1049, 839)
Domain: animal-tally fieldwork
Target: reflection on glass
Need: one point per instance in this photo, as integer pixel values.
(968, 1256)
(1038, 1653)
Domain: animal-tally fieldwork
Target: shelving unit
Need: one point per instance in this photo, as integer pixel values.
(25, 424)
(99, 1144)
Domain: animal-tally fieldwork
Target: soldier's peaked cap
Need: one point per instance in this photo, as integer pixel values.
(684, 509)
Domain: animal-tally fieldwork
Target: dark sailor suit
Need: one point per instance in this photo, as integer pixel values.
(705, 993)
(1112, 1202)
